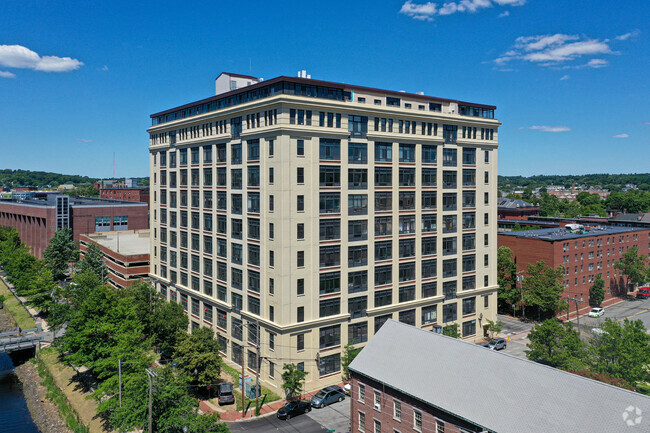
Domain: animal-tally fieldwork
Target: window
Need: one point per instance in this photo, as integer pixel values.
(357, 256)
(469, 328)
(407, 152)
(300, 200)
(469, 156)
(429, 177)
(300, 229)
(469, 220)
(397, 410)
(383, 201)
(329, 283)
(300, 286)
(357, 281)
(406, 248)
(449, 201)
(236, 200)
(449, 313)
(253, 150)
(330, 203)
(383, 226)
(469, 306)
(469, 199)
(377, 400)
(449, 268)
(429, 245)
(407, 177)
(449, 223)
(300, 147)
(383, 152)
(429, 268)
(469, 177)
(449, 179)
(330, 229)
(254, 175)
(358, 333)
(329, 175)
(469, 241)
(235, 153)
(362, 416)
(417, 420)
(357, 307)
(330, 149)
(357, 153)
(429, 314)
(407, 224)
(383, 176)
(407, 200)
(300, 341)
(254, 202)
(357, 126)
(358, 230)
(357, 204)
(406, 293)
(407, 317)
(449, 157)
(407, 271)
(429, 154)
(383, 297)
(330, 256)
(358, 178)
(383, 275)
(329, 336)
(329, 307)
(300, 262)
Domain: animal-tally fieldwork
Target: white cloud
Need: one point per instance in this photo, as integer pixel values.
(548, 128)
(424, 11)
(557, 51)
(626, 36)
(7, 74)
(564, 77)
(427, 11)
(504, 14)
(85, 140)
(621, 136)
(17, 56)
(104, 68)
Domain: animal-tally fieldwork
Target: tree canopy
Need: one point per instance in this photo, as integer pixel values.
(60, 252)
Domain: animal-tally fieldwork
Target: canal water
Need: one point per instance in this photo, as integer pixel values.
(14, 415)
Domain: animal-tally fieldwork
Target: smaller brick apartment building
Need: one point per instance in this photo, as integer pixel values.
(409, 380)
(37, 219)
(583, 251)
(126, 254)
(138, 193)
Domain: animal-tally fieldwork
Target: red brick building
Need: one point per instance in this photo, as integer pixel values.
(516, 209)
(583, 251)
(126, 254)
(38, 219)
(139, 194)
(408, 380)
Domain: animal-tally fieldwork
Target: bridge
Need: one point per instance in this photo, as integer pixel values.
(13, 339)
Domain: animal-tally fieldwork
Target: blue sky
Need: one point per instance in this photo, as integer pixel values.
(79, 79)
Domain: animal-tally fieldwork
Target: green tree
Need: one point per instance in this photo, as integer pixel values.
(543, 287)
(293, 380)
(349, 353)
(597, 291)
(173, 407)
(508, 295)
(60, 252)
(93, 261)
(451, 331)
(622, 351)
(557, 345)
(198, 357)
(633, 267)
(494, 327)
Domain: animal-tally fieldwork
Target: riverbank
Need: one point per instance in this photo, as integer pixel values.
(44, 413)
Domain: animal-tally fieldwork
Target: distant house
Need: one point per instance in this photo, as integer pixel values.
(516, 209)
(407, 379)
(66, 187)
(632, 220)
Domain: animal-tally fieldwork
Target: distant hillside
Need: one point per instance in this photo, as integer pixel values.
(14, 178)
(610, 181)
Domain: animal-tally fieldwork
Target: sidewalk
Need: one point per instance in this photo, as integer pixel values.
(266, 410)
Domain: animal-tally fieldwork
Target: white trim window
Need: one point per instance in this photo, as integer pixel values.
(362, 422)
(397, 410)
(362, 393)
(377, 400)
(417, 420)
(377, 426)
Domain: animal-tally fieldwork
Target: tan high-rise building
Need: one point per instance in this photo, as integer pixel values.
(320, 210)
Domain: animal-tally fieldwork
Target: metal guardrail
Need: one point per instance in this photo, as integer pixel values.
(11, 344)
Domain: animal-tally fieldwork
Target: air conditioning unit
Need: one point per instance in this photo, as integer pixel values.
(377, 406)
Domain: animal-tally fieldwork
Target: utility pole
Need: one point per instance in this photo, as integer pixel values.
(259, 362)
(242, 385)
(151, 375)
(576, 300)
(119, 377)
(520, 280)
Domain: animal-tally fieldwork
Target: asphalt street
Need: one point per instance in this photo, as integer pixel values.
(634, 309)
(335, 417)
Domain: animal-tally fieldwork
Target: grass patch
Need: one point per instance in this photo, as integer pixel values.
(15, 308)
(47, 357)
(270, 395)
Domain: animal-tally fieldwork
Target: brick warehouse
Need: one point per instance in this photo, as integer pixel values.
(583, 251)
(38, 219)
(139, 194)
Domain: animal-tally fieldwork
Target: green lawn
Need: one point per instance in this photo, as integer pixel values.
(13, 306)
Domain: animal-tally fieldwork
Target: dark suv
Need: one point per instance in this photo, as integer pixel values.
(226, 395)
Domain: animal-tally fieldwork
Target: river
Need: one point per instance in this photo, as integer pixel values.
(14, 415)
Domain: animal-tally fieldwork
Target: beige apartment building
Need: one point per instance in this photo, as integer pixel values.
(319, 210)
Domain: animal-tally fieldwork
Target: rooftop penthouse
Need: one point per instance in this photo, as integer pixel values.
(256, 88)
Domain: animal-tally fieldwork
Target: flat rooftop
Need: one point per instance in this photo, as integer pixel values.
(562, 233)
(128, 242)
(498, 392)
(74, 201)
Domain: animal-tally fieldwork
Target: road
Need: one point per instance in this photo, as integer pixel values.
(334, 417)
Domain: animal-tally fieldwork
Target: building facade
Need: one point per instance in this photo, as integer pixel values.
(38, 219)
(320, 210)
(126, 254)
(584, 252)
(407, 380)
(139, 194)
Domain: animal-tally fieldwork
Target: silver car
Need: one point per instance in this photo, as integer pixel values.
(496, 344)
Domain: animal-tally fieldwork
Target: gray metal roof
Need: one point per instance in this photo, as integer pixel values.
(499, 392)
(514, 203)
(633, 217)
(563, 233)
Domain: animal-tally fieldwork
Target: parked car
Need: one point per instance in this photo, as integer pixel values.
(596, 312)
(226, 394)
(293, 408)
(644, 292)
(328, 395)
(496, 344)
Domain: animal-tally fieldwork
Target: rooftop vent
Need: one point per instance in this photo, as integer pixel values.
(303, 74)
(420, 93)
